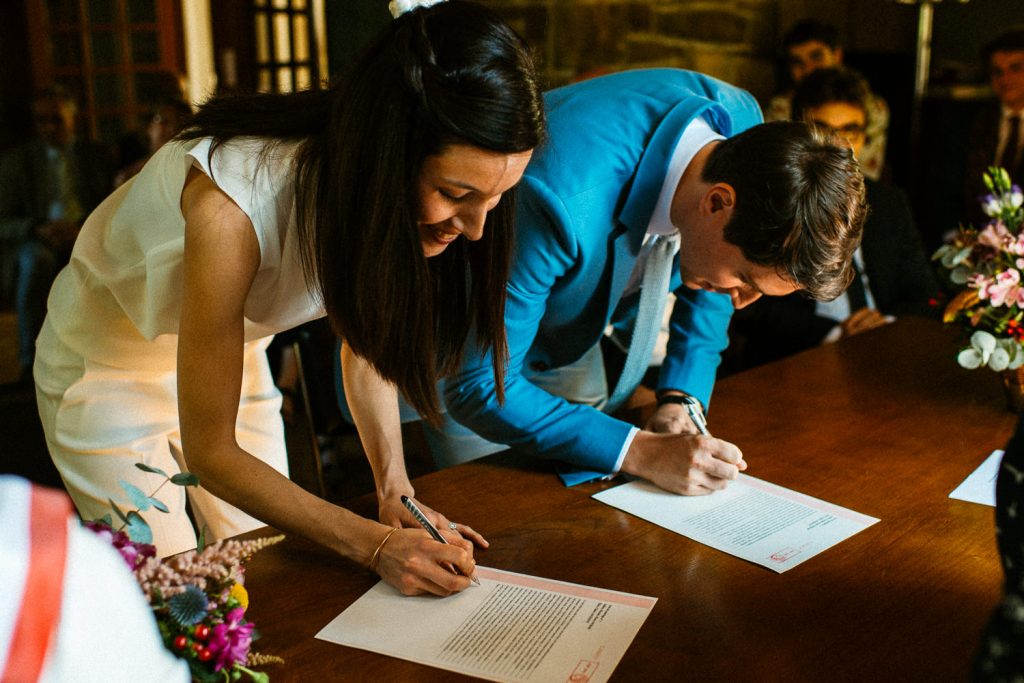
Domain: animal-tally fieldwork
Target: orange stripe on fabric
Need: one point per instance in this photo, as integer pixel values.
(36, 624)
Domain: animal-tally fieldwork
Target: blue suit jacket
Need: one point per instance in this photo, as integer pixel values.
(584, 206)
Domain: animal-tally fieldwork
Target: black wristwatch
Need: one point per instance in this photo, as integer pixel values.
(678, 399)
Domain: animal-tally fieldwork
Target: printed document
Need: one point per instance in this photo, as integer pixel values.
(512, 627)
(751, 519)
(980, 485)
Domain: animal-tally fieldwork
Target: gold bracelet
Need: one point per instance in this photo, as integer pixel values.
(376, 553)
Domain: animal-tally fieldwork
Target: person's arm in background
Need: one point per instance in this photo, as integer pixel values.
(210, 347)
(907, 282)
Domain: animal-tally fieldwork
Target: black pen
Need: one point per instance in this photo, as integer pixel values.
(431, 529)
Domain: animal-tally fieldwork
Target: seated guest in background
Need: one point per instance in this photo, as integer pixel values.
(166, 121)
(1000, 657)
(810, 45)
(47, 187)
(894, 276)
(996, 137)
(273, 210)
(640, 164)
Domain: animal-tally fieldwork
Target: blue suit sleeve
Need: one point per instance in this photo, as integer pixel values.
(531, 418)
(698, 333)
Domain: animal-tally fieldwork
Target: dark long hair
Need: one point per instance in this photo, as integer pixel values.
(451, 73)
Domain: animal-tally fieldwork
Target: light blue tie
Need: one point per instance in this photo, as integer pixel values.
(651, 309)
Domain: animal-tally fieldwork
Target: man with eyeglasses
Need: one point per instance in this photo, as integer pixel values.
(893, 273)
(811, 45)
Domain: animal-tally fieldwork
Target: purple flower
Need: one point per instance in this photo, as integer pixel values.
(230, 641)
(133, 553)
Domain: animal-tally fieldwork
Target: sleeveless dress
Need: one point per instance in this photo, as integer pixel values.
(106, 359)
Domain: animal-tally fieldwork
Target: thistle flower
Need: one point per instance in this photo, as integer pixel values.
(188, 608)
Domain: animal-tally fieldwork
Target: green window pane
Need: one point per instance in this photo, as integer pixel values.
(110, 128)
(141, 11)
(107, 90)
(105, 50)
(67, 49)
(63, 11)
(145, 47)
(155, 87)
(102, 11)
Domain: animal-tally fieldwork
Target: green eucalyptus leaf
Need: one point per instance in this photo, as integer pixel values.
(152, 470)
(138, 530)
(185, 479)
(201, 541)
(139, 499)
(106, 520)
(158, 504)
(117, 510)
(961, 256)
(959, 275)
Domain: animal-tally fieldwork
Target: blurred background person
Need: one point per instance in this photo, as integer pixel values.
(166, 121)
(48, 186)
(811, 45)
(995, 136)
(893, 275)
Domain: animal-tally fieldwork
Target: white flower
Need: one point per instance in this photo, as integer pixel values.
(400, 7)
(999, 360)
(979, 352)
(1015, 199)
(970, 358)
(990, 204)
(998, 354)
(1014, 354)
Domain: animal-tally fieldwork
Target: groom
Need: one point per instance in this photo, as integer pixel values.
(758, 210)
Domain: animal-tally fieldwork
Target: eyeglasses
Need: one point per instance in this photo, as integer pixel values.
(850, 131)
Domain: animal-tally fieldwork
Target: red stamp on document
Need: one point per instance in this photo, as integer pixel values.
(783, 555)
(583, 671)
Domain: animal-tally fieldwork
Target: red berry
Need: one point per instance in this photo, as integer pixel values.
(205, 655)
(180, 642)
(202, 631)
(198, 647)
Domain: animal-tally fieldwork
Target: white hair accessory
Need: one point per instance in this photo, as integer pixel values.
(400, 7)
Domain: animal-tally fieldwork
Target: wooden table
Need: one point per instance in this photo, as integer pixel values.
(884, 423)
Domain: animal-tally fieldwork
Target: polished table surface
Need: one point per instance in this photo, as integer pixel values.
(884, 423)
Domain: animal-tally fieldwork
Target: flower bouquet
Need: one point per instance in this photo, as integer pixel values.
(198, 597)
(986, 266)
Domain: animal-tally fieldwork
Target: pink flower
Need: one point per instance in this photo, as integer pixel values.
(133, 553)
(995, 235)
(1004, 289)
(230, 641)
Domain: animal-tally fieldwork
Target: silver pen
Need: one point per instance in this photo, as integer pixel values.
(411, 506)
(696, 414)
